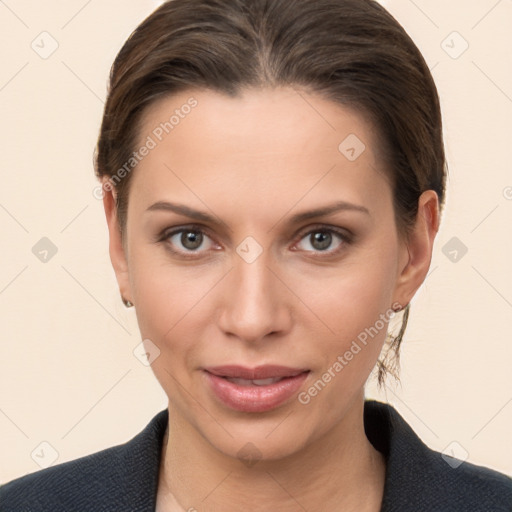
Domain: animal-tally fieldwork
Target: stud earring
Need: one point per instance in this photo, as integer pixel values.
(127, 303)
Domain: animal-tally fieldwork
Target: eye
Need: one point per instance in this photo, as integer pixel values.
(321, 239)
(187, 242)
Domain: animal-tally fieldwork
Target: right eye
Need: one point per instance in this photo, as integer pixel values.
(186, 242)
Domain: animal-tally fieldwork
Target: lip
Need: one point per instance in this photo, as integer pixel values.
(259, 372)
(251, 397)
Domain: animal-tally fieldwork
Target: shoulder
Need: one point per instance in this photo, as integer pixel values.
(419, 478)
(69, 484)
(123, 477)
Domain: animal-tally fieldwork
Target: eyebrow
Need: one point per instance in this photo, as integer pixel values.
(186, 211)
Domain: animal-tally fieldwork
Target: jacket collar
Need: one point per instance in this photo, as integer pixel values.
(405, 456)
(385, 428)
(410, 463)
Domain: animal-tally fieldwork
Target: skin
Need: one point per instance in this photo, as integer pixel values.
(252, 162)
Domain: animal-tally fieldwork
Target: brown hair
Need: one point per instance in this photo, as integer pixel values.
(352, 52)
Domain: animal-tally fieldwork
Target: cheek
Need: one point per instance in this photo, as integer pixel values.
(357, 311)
(172, 302)
(165, 313)
(354, 306)
(353, 295)
(163, 296)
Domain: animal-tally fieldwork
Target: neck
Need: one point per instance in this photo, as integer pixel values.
(339, 471)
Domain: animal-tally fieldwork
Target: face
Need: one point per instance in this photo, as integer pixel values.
(263, 259)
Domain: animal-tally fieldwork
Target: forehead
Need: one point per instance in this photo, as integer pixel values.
(265, 142)
(254, 117)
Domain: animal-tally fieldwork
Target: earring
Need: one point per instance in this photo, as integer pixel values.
(127, 303)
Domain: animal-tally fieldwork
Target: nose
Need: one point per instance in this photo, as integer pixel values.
(255, 301)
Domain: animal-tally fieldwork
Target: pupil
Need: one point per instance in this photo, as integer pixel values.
(191, 240)
(323, 239)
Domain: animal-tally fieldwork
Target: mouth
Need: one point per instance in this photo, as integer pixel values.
(255, 382)
(257, 389)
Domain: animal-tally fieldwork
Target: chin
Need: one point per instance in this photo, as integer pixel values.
(259, 439)
(252, 450)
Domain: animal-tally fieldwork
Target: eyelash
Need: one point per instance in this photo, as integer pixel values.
(344, 237)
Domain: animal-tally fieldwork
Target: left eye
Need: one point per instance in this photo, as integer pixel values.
(321, 239)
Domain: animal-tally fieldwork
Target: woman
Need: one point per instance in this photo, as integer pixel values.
(273, 175)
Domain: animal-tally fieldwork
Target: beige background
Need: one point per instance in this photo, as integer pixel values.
(68, 376)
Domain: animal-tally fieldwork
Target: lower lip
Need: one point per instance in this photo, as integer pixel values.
(255, 398)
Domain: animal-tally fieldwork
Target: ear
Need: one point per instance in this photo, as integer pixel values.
(416, 251)
(116, 249)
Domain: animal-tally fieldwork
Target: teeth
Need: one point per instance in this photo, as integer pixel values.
(265, 382)
(256, 382)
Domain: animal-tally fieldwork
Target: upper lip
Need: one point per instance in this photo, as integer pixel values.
(259, 372)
